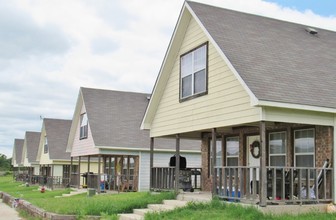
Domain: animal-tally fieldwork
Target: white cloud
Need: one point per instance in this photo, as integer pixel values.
(51, 48)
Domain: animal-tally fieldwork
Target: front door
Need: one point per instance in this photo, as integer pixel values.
(252, 158)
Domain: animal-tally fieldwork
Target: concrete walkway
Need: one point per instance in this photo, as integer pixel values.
(7, 212)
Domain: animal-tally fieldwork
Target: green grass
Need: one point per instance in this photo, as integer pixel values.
(81, 205)
(219, 210)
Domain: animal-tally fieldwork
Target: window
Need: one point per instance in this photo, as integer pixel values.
(304, 148)
(45, 144)
(218, 161)
(232, 151)
(277, 149)
(193, 74)
(84, 126)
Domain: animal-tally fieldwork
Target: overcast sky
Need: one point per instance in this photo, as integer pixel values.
(48, 49)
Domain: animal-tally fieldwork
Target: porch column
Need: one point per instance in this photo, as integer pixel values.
(79, 170)
(213, 162)
(177, 164)
(151, 162)
(334, 162)
(98, 177)
(88, 165)
(70, 170)
(263, 180)
(52, 176)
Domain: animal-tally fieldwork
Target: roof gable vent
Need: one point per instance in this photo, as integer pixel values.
(311, 30)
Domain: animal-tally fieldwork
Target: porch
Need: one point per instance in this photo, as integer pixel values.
(269, 164)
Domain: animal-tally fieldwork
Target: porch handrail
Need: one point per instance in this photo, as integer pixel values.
(287, 184)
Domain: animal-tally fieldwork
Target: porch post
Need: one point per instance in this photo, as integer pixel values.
(213, 161)
(70, 170)
(98, 178)
(263, 181)
(334, 162)
(151, 162)
(78, 176)
(177, 164)
(52, 176)
(88, 165)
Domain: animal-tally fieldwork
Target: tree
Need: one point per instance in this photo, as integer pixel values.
(5, 163)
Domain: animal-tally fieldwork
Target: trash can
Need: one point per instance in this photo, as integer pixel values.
(91, 192)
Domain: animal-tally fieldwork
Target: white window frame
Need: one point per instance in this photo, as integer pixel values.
(270, 155)
(193, 72)
(219, 157)
(84, 128)
(234, 156)
(306, 153)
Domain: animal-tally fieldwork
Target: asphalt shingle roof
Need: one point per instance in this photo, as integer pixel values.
(279, 61)
(115, 117)
(57, 131)
(32, 140)
(18, 146)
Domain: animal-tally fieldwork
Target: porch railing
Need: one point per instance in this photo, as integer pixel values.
(106, 182)
(285, 184)
(164, 178)
(57, 182)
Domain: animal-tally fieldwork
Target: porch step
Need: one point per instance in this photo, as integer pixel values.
(167, 205)
(194, 196)
(72, 193)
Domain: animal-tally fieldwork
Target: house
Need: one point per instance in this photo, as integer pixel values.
(29, 152)
(53, 159)
(264, 90)
(19, 171)
(105, 127)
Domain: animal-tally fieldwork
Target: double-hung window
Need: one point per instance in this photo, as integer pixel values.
(218, 160)
(232, 151)
(304, 148)
(277, 148)
(83, 126)
(45, 144)
(193, 76)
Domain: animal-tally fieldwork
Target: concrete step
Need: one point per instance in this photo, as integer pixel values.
(194, 197)
(160, 207)
(175, 203)
(142, 212)
(130, 217)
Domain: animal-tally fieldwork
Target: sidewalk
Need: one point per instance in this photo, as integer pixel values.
(7, 212)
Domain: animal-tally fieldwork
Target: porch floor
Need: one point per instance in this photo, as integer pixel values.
(197, 196)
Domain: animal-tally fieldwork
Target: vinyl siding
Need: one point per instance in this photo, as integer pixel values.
(58, 170)
(297, 116)
(85, 146)
(161, 160)
(227, 103)
(45, 159)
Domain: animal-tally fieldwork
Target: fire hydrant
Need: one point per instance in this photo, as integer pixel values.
(42, 189)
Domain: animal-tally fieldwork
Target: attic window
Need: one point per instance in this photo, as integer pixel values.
(45, 144)
(83, 133)
(311, 30)
(193, 72)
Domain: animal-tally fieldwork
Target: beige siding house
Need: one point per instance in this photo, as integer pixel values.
(29, 152)
(19, 172)
(53, 159)
(105, 128)
(265, 90)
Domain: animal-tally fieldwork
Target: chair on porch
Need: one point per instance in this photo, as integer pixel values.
(288, 180)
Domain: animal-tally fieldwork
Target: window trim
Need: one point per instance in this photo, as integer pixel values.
(302, 154)
(269, 147)
(181, 99)
(85, 128)
(226, 155)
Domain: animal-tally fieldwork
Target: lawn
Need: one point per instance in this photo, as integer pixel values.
(109, 205)
(219, 210)
(81, 205)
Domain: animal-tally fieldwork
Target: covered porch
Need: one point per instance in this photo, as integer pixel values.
(262, 163)
(105, 172)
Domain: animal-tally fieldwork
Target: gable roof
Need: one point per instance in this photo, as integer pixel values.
(17, 151)
(279, 61)
(31, 142)
(57, 131)
(114, 120)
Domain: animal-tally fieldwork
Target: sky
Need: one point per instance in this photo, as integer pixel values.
(49, 49)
